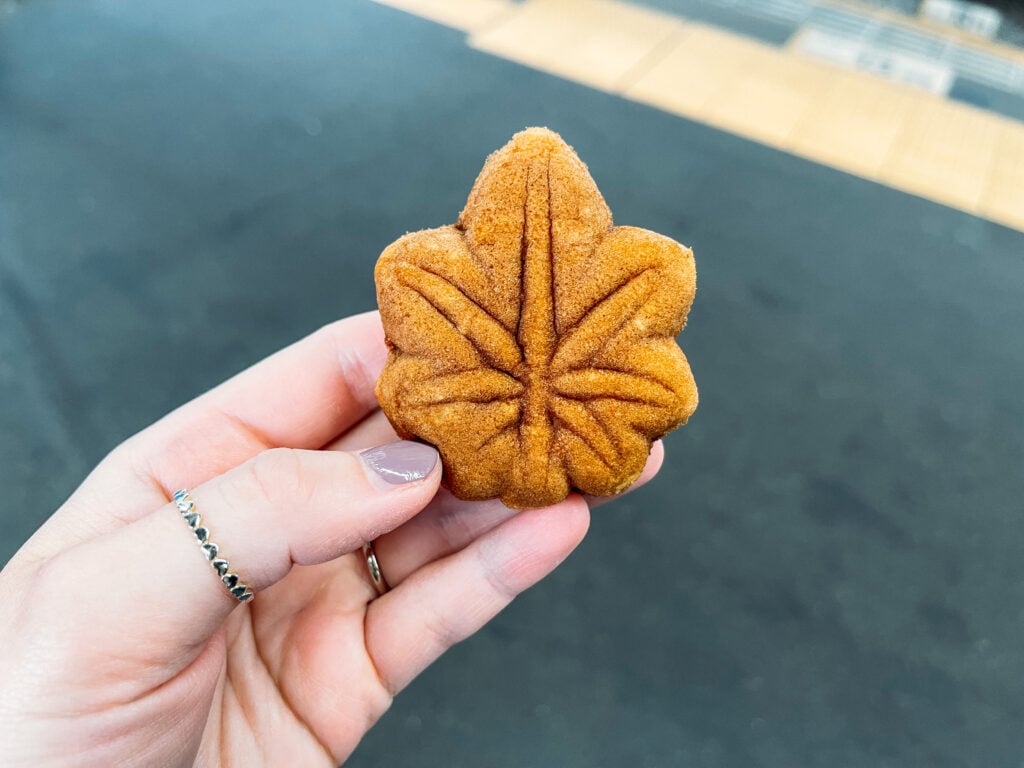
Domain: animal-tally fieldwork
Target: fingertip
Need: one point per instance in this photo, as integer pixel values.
(654, 462)
(576, 521)
(337, 499)
(360, 361)
(526, 548)
(400, 463)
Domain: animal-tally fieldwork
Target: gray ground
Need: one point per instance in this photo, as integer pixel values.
(829, 571)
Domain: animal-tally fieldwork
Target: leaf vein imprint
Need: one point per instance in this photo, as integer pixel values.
(582, 437)
(453, 320)
(616, 289)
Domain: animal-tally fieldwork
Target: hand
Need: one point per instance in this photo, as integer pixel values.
(122, 647)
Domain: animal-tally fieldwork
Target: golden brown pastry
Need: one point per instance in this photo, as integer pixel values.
(533, 342)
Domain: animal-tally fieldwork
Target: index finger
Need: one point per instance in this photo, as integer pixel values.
(303, 396)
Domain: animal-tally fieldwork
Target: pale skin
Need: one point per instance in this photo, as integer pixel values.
(121, 646)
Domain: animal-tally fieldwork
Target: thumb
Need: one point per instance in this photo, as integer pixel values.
(284, 507)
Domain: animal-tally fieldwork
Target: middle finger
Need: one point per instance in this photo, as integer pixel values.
(447, 524)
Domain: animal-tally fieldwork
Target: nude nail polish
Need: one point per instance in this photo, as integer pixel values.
(401, 462)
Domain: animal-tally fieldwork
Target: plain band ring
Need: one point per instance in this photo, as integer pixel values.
(231, 581)
(374, 568)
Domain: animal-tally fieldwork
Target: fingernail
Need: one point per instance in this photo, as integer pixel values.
(401, 462)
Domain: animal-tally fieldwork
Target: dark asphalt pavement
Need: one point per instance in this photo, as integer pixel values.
(830, 569)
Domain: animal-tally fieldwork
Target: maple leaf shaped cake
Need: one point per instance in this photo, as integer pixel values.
(533, 343)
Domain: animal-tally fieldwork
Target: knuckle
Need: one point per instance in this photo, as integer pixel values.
(46, 608)
(454, 529)
(51, 589)
(377, 698)
(277, 476)
(498, 575)
(444, 629)
(50, 575)
(357, 377)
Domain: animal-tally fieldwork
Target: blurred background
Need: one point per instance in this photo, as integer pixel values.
(829, 570)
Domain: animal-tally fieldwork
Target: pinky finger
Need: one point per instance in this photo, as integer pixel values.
(448, 600)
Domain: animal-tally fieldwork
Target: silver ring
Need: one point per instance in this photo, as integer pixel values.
(374, 568)
(231, 581)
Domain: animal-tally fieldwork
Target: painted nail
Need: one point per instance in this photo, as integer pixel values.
(401, 462)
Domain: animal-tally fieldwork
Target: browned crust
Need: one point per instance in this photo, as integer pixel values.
(533, 342)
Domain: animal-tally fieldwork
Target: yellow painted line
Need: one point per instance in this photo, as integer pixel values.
(878, 129)
(689, 79)
(596, 42)
(773, 93)
(944, 152)
(1003, 198)
(467, 15)
(855, 126)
